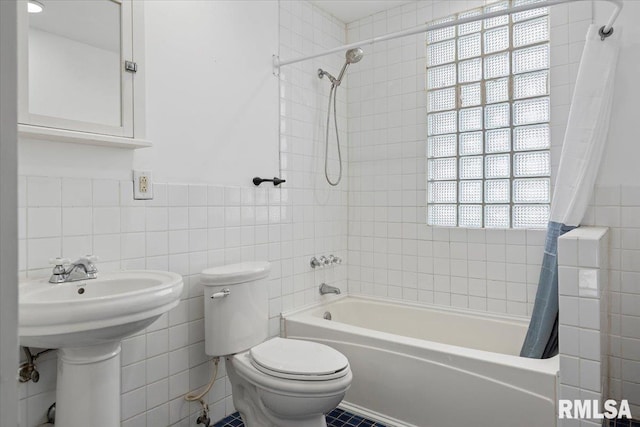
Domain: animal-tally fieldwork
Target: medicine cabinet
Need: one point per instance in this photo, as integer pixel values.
(81, 71)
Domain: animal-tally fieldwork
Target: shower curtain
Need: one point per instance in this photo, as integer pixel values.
(582, 150)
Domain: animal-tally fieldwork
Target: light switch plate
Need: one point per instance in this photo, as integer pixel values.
(142, 185)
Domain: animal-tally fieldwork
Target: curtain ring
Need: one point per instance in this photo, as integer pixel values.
(604, 34)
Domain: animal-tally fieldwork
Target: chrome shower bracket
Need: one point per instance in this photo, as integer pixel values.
(334, 82)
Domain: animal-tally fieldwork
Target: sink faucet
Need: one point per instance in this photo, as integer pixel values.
(83, 268)
(328, 289)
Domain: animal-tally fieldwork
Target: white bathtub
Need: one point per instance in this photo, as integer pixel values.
(432, 366)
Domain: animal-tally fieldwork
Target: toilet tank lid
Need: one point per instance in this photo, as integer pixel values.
(234, 274)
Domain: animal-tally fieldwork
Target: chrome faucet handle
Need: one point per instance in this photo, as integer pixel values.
(335, 259)
(59, 273)
(324, 260)
(58, 263)
(314, 263)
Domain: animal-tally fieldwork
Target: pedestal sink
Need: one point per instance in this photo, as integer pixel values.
(86, 321)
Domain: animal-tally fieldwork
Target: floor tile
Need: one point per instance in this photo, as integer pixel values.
(336, 418)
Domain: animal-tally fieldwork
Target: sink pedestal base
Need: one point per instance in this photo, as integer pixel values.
(88, 386)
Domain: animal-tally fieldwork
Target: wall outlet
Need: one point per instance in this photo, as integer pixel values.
(142, 185)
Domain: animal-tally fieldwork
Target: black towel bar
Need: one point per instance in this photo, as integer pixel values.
(276, 181)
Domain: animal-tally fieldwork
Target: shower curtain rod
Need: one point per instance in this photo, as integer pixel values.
(277, 63)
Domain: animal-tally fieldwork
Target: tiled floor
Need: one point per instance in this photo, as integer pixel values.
(341, 418)
(623, 423)
(337, 418)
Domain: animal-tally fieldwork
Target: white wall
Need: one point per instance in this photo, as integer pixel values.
(8, 221)
(212, 109)
(213, 117)
(213, 120)
(620, 165)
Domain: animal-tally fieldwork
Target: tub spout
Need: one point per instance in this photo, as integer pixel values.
(327, 289)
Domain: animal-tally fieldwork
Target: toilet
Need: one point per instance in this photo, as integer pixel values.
(276, 382)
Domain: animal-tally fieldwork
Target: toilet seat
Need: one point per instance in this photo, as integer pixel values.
(298, 360)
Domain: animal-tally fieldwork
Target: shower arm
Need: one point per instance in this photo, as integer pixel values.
(277, 63)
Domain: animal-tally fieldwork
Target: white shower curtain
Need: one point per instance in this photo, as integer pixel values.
(587, 128)
(580, 160)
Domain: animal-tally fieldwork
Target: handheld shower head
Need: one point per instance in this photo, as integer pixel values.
(352, 56)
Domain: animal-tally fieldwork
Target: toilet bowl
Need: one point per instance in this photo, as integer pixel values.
(269, 393)
(276, 382)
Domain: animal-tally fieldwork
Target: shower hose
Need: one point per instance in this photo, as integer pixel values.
(332, 93)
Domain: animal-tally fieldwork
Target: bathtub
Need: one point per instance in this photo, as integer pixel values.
(429, 366)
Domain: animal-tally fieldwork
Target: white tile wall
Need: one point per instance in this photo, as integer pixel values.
(156, 364)
(616, 207)
(193, 228)
(584, 322)
(319, 211)
(393, 254)
(391, 251)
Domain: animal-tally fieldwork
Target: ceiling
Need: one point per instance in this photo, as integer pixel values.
(351, 10)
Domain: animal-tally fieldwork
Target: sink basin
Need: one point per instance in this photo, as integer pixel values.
(86, 321)
(94, 311)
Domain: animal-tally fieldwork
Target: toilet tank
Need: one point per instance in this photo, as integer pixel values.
(236, 307)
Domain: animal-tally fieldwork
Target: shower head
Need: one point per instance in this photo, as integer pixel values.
(352, 56)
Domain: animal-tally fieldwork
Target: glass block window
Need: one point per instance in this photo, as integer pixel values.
(488, 109)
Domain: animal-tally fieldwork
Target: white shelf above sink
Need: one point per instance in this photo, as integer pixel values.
(85, 138)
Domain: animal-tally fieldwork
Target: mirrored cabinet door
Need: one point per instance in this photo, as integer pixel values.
(72, 65)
